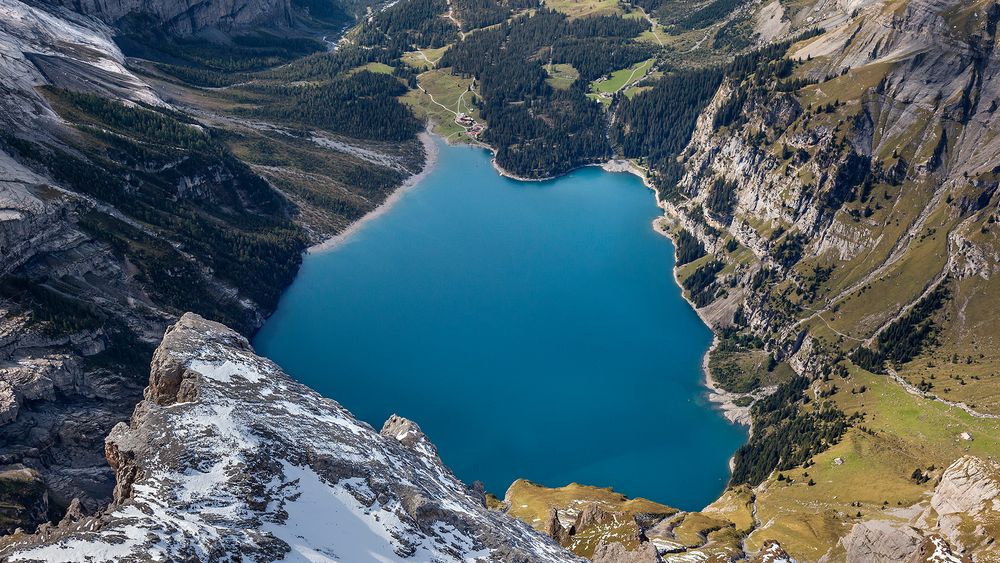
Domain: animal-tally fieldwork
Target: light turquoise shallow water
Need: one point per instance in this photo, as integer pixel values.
(532, 330)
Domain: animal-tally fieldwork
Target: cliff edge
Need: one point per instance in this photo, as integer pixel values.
(228, 455)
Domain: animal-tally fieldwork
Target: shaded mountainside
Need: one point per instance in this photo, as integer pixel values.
(187, 18)
(119, 211)
(227, 455)
(210, 18)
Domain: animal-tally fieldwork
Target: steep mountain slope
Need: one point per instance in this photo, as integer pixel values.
(118, 213)
(834, 211)
(227, 455)
(77, 45)
(39, 231)
(861, 185)
(187, 18)
(838, 206)
(210, 18)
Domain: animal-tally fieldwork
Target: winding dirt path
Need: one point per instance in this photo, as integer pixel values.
(451, 16)
(699, 43)
(653, 25)
(628, 81)
(818, 314)
(430, 62)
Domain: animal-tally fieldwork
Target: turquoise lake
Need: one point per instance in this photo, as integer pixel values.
(532, 329)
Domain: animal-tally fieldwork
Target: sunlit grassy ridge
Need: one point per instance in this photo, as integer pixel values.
(621, 79)
(532, 503)
(584, 8)
(423, 58)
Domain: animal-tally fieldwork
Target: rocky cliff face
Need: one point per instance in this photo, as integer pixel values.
(72, 46)
(54, 408)
(965, 507)
(896, 102)
(872, 162)
(186, 18)
(228, 455)
(108, 231)
(204, 18)
(839, 195)
(961, 517)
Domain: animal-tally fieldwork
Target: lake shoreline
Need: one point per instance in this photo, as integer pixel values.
(610, 165)
(431, 158)
(420, 260)
(723, 400)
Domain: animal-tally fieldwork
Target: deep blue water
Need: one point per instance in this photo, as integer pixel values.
(532, 330)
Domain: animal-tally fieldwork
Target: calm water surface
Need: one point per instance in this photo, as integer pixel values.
(532, 330)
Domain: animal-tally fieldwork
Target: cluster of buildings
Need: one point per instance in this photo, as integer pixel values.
(472, 127)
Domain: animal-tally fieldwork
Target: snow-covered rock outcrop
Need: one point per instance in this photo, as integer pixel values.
(228, 456)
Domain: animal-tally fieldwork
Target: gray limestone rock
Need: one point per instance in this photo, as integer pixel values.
(614, 552)
(228, 455)
(881, 541)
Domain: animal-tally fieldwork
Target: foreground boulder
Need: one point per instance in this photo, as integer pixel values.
(228, 457)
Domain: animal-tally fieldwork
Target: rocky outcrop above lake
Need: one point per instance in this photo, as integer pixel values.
(616, 552)
(95, 257)
(880, 540)
(228, 455)
(965, 507)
